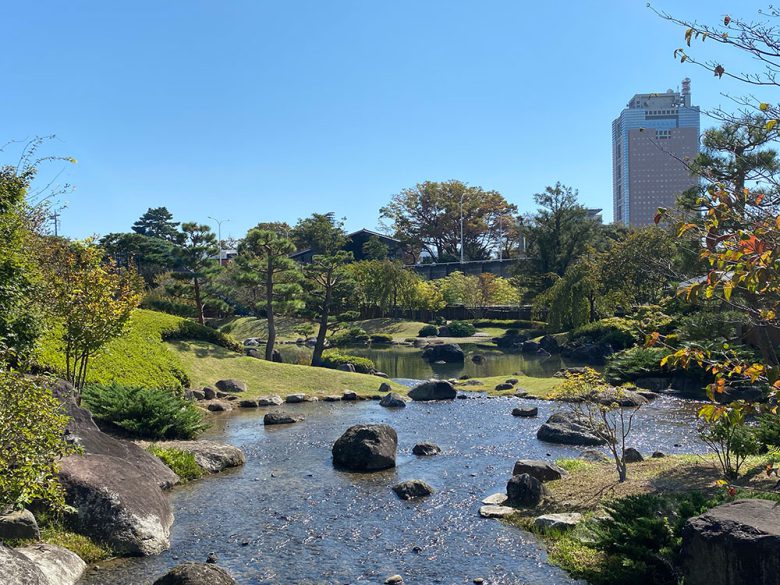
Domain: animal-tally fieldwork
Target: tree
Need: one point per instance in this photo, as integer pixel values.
(572, 300)
(477, 292)
(375, 249)
(158, 222)
(325, 275)
(321, 233)
(150, 256)
(90, 298)
(195, 252)
(559, 232)
(268, 258)
(427, 217)
(379, 284)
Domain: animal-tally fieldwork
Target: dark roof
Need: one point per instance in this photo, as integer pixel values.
(349, 236)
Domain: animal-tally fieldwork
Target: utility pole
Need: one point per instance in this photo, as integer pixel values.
(461, 227)
(219, 234)
(56, 217)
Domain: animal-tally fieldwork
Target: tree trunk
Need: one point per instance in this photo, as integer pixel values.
(319, 346)
(269, 310)
(198, 301)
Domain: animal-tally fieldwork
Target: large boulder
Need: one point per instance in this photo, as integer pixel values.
(366, 447)
(412, 489)
(631, 455)
(196, 574)
(17, 569)
(231, 385)
(271, 400)
(444, 352)
(433, 390)
(392, 400)
(210, 455)
(549, 344)
(567, 428)
(541, 470)
(589, 353)
(524, 490)
(58, 565)
(117, 503)
(19, 525)
(733, 544)
(510, 340)
(530, 346)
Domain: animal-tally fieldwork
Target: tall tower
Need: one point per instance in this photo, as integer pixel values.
(651, 140)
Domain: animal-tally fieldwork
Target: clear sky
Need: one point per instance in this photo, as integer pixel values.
(253, 110)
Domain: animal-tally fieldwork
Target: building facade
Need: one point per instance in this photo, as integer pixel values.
(651, 141)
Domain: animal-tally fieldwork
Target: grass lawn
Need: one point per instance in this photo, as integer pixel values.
(243, 327)
(537, 387)
(206, 363)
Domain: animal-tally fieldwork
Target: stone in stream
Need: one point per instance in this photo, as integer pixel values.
(492, 511)
(495, 500)
(19, 524)
(394, 580)
(433, 390)
(526, 412)
(231, 385)
(270, 400)
(366, 447)
(737, 543)
(196, 574)
(280, 418)
(524, 490)
(444, 352)
(210, 456)
(247, 403)
(331, 398)
(426, 449)
(392, 400)
(295, 398)
(563, 521)
(568, 429)
(412, 489)
(541, 470)
(349, 395)
(219, 406)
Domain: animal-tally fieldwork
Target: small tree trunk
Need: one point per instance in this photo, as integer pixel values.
(198, 301)
(269, 310)
(319, 346)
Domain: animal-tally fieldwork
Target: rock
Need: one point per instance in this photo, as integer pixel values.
(222, 395)
(295, 398)
(567, 429)
(477, 359)
(549, 344)
(231, 385)
(496, 511)
(511, 381)
(20, 524)
(526, 412)
(589, 353)
(520, 393)
(495, 500)
(209, 393)
(509, 340)
(381, 375)
(445, 352)
(17, 569)
(194, 395)
(219, 406)
(253, 352)
(117, 503)
(276, 357)
(524, 490)
(393, 400)
(331, 398)
(541, 470)
(347, 368)
(384, 388)
(631, 455)
(394, 580)
(733, 544)
(349, 395)
(530, 346)
(593, 456)
(502, 387)
(247, 403)
(280, 418)
(433, 390)
(658, 454)
(426, 449)
(653, 383)
(412, 489)
(565, 521)
(366, 447)
(271, 400)
(58, 565)
(196, 574)
(210, 455)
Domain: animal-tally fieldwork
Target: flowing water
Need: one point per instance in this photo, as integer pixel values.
(288, 516)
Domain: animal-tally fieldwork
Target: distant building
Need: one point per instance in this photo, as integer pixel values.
(355, 242)
(651, 138)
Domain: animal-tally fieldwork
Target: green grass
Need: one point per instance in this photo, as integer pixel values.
(180, 462)
(138, 357)
(572, 465)
(536, 387)
(53, 532)
(206, 363)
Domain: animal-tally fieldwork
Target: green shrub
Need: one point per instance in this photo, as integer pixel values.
(348, 316)
(187, 330)
(145, 412)
(180, 462)
(428, 331)
(461, 329)
(381, 338)
(509, 323)
(351, 336)
(333, 359)
(618, 332)
(768, 430)
(707, 325)
(635, 362)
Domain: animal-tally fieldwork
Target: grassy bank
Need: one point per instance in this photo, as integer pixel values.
(536, 387)
(206, 363)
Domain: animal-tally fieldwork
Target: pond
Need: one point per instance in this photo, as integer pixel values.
(399, 361)
(288, 516)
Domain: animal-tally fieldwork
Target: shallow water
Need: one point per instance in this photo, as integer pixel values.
(288, 516)
(406, 362)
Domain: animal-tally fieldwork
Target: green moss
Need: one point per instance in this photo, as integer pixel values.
(180, 462)
(572, 465)
(53, 532)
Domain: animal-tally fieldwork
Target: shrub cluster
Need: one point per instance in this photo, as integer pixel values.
(461, 329)
(634, 363)
(190, 330)
(152, 413)
(618, 332)
(333, 359)
(428, 331)
(381, 338)
(509, 323)
(351, 336)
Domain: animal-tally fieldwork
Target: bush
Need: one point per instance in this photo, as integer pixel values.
(461, 329)
(333, 359)
(707, 325)
(190, 330)
(381, 338)
(428, 331)
(32, 433)
(768, 430)
(145, 412)
(180, 462)
(618, 332)
(636, 362)
(351, 336)
(348, 316)
(509, 323)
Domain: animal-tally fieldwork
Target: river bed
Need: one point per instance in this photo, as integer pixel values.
(288, 516)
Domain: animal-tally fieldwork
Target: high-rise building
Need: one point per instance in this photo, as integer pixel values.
(651, 140)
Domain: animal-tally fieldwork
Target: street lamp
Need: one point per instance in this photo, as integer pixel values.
(461, 226)
(219, 234)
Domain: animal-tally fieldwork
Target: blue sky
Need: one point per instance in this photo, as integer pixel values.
(255, 111)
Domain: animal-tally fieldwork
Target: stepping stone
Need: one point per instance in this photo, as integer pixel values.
(496, 511)
(495, 500)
